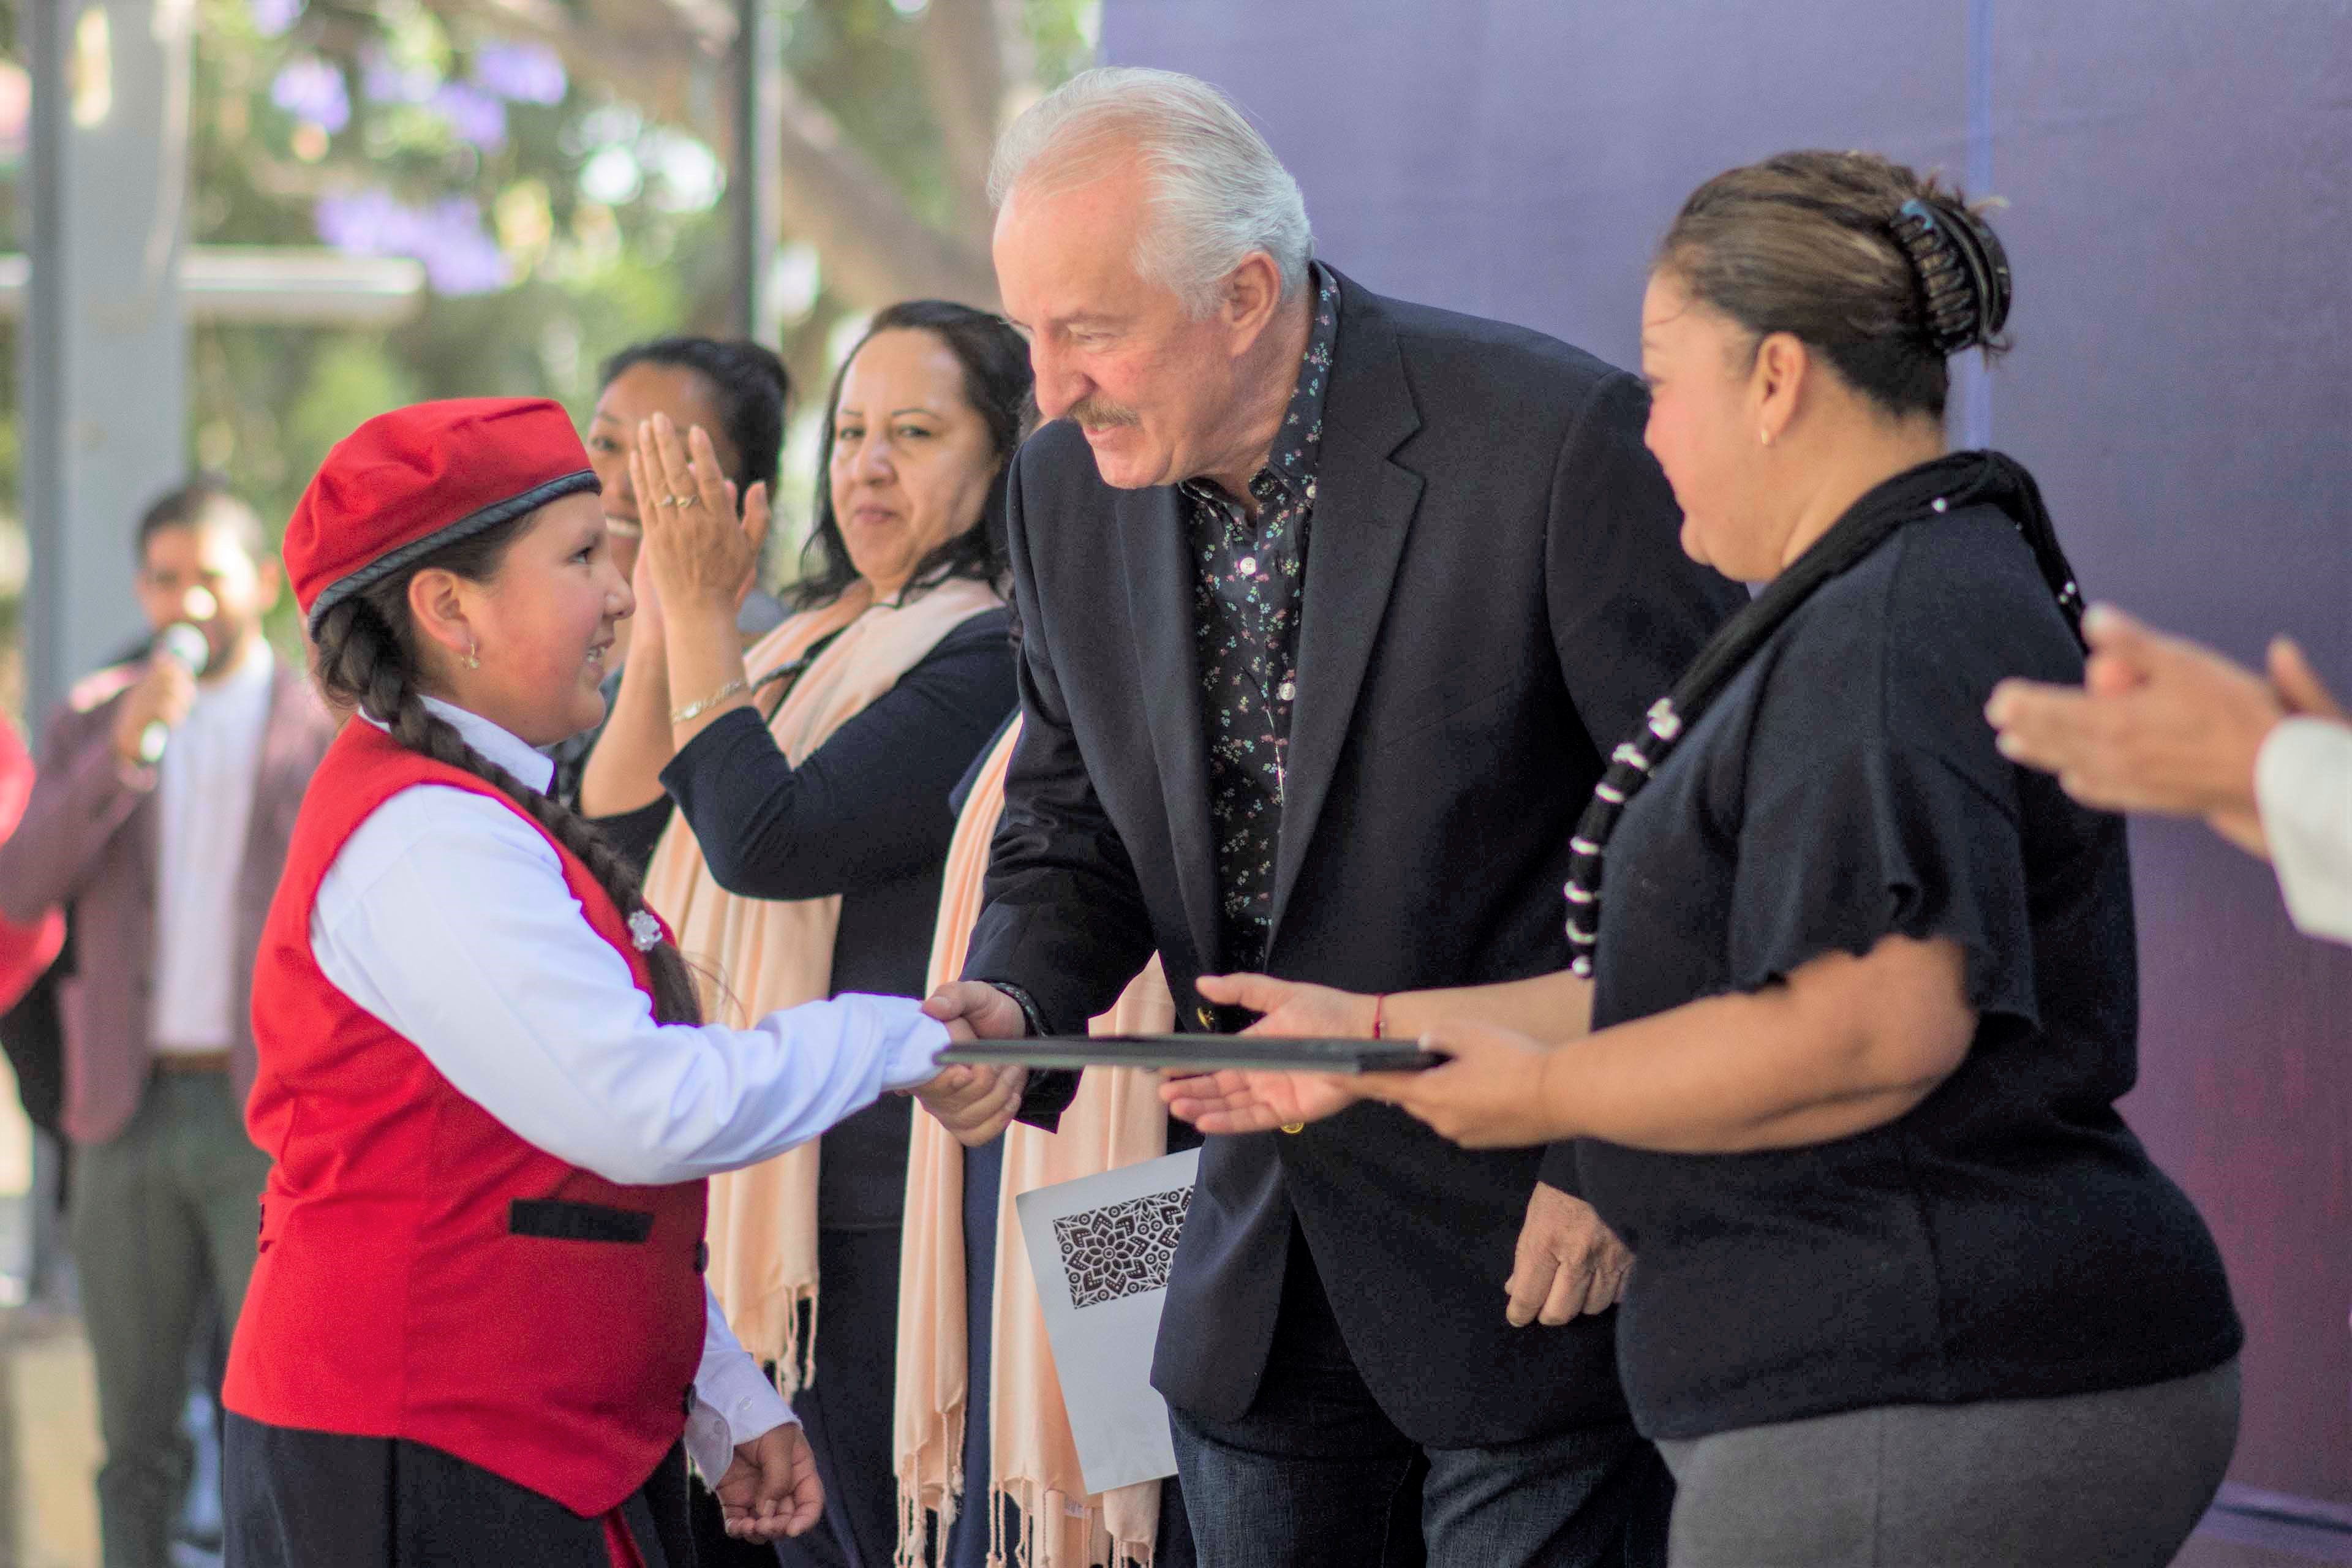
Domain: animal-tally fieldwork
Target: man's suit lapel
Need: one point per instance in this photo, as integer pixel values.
(147, 845)
(1159, 582)
(1364, 507)
(143, 826)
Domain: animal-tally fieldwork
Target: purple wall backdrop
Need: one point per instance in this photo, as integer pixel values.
(2180, 180)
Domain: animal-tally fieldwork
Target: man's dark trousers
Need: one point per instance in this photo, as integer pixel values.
(1348, 1488)
(1494, 596)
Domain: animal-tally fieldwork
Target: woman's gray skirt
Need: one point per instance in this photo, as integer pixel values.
(2096, 1479)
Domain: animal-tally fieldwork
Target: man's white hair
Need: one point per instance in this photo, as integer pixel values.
(1216, 190)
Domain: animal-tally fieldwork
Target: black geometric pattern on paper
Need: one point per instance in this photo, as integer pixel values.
(1121, 1249)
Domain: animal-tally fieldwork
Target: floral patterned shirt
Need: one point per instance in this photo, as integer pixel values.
(1245, 608)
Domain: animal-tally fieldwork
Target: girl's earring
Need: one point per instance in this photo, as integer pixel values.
(473, 654)
(1765, 435)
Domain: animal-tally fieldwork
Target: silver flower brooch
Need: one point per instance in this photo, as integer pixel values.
(643, 929)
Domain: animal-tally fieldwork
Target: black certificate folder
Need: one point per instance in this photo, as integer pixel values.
(1198, 1053)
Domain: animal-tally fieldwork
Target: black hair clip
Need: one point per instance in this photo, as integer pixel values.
(1963, 271)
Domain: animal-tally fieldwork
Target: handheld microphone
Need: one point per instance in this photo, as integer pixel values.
(186, 647)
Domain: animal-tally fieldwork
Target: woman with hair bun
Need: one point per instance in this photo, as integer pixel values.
(1852, 997)
(479, 1332)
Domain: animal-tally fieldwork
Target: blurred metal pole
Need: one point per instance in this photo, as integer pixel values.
(41, 421)
(102, 395)
(756, 65)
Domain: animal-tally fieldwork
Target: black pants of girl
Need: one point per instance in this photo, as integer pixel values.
(321, 1499)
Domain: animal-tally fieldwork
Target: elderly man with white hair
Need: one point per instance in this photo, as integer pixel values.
(1330, 601)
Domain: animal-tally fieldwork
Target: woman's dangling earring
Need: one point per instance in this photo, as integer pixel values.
(473, 654)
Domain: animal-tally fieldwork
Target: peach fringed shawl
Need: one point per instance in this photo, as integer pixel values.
(1116, 1120)
(757, 955)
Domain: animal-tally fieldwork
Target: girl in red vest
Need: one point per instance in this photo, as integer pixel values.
(478, 1334)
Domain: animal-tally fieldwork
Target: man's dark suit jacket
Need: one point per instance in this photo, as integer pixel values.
(1494, 593)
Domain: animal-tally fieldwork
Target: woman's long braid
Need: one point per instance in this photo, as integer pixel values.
(362, 660)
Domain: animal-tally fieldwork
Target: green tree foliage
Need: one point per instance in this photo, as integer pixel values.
(560, 166)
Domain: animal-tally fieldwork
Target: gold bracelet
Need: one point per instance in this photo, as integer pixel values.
(695, 709)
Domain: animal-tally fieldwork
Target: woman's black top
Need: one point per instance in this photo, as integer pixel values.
(865, 817)
(2007, 1239)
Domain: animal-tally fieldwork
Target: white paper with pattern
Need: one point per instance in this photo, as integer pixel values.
(1100, 1248)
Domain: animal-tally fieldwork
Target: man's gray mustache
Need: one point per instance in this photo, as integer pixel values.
(1099, 415)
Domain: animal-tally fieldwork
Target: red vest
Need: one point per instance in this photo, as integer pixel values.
(424, 1272)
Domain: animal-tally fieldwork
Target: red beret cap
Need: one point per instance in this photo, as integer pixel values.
(407, 482)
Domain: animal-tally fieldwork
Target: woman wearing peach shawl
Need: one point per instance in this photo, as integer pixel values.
(811, 780)
(755, 953)
(1116, 1120)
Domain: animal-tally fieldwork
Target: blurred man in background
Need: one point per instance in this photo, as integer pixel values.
(167, 790)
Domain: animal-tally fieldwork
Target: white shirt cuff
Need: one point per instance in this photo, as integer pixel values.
(733, 1402)
(2303, 787)
(910, 1039)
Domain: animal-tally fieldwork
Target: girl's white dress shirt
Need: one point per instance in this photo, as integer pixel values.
(447, 916)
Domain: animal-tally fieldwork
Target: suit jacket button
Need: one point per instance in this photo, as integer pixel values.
(702, 1258)
(1208, 1019)
(689, 1399)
